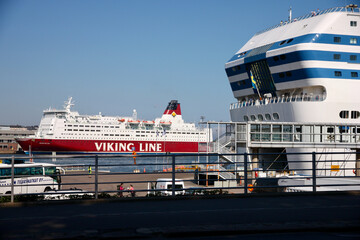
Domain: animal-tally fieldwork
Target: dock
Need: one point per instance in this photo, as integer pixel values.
(82, 180)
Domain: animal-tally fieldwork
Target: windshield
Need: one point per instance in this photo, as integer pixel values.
(52, 172)
(49, 171)
(178, 187)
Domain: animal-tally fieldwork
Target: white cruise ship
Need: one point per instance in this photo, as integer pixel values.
(304, 70)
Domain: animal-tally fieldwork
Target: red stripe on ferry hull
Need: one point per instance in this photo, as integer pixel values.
(107, 146)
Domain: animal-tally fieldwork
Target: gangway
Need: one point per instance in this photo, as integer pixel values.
(293, 134)
(256, 136)
(319, 135)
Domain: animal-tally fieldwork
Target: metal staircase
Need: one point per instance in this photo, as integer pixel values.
(225, 174)
(225, 145)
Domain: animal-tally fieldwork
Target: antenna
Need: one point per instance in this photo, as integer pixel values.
(290, 14)
(68, 104)
(352, 6)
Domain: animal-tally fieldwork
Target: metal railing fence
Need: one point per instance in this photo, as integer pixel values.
(202, 174)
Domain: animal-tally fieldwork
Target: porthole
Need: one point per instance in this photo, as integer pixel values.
(276, 116)
(252, 117)
(344, 114)
(246, 118)
(267, 117)
(290, 40)
(260, 117)
(283, 42)
(355, 114)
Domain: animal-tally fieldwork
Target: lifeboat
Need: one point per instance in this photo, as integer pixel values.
(165, 123)
(121, 120)
(134, 122)
(148, 122)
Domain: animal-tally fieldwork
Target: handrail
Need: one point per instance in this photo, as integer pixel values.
(283, 99)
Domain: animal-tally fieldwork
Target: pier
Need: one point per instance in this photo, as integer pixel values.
(140, 182)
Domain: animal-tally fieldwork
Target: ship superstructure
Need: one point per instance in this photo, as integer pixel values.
(304, 70)
(68, 131)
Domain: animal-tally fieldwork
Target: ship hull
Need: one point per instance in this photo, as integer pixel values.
(39, 145)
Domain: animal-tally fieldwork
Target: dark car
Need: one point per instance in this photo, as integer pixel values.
(266, 185)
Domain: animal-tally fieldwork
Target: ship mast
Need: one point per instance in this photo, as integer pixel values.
(68, 104)
(290, 14)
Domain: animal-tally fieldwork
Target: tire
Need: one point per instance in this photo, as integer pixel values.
(47, 189)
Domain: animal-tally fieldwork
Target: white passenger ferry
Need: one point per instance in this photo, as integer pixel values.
(305, 70)
(66, 131)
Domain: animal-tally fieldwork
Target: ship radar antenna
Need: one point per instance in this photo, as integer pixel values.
(290, 14)
(68, 104)
(352, 6)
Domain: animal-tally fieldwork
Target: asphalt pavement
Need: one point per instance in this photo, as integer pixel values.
(292, 215)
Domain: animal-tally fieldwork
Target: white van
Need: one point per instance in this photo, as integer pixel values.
(164, 185)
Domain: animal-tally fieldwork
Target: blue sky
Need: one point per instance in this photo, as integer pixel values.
(116, 56)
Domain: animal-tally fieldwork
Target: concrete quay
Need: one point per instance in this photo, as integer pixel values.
(85, 181)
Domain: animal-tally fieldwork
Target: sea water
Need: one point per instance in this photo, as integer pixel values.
(120, 163)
